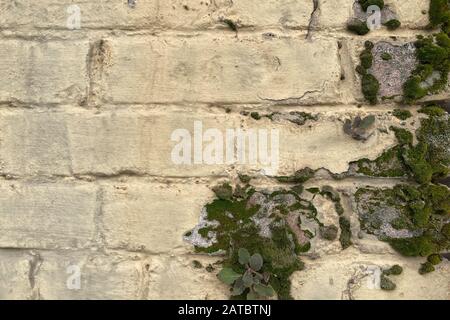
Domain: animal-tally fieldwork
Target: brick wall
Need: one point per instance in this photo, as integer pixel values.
(86, 117)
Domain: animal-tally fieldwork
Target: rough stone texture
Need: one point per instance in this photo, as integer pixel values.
(135, 216)
(351, 276)
(91, 143)
(173, 14)
(86, 118)
(49, 72)
(335, 13)
(47, 215)
(222, 69)
(103, 276)
(393, 73)
(14, 270)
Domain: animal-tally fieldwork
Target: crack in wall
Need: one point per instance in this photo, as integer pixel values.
(34, 266)
(313, 21)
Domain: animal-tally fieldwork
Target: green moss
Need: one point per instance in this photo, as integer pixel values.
(446, 230)
(403, 136)
(329, 232)
(370, 88)
(434, 259)
(339, 209)
(417, 210)
(358, 27)
(299, 176)
(393, 24)
(234, 227)
(386, 283)
(224, 191)
(346, 233)
(433, 54)
(366, 58)
(305, 248)
(413, 247)
(386, 56)
(426, 267)
(204, 231)
(402, 114)
(368, 45)
(421, 213)
(365, 4)
(360, 70)
(401, 223)
(255, 115)
(244, 178)
(298, 189)
(439, 198)
(394, 270)
(439, 12)
(412, 90)
(389, 164)
(313, 190)
(197, 264)
(433, 111)
(415, 159)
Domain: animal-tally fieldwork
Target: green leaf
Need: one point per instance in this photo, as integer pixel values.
(244, 256)
(248, 279)
(252, 295)
(238, 287)
(265, 291)
(228, 276)
(367, 122)
(256, 262)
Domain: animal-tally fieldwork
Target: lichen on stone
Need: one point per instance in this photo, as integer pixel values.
(425, 161)
(410, 218)
(264, 222)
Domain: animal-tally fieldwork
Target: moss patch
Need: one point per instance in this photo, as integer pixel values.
(426, 161)
(402, 114)
(259, 221)
(393, 24)
(409, 218)
(358, 27)
(433, 54)
(346, 233)
(369, 84)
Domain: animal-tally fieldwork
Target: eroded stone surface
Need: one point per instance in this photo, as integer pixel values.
(392, 73)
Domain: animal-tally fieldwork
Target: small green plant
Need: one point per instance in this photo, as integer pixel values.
(432, 111)
(370, 85)
(426, 267)
(386, 56)
(255, 115)
(402, 114)
(394, 270)
(439, 12)
(387, 284)
(434, 259)
(358, 27)
(393, 24)
(251, 283)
